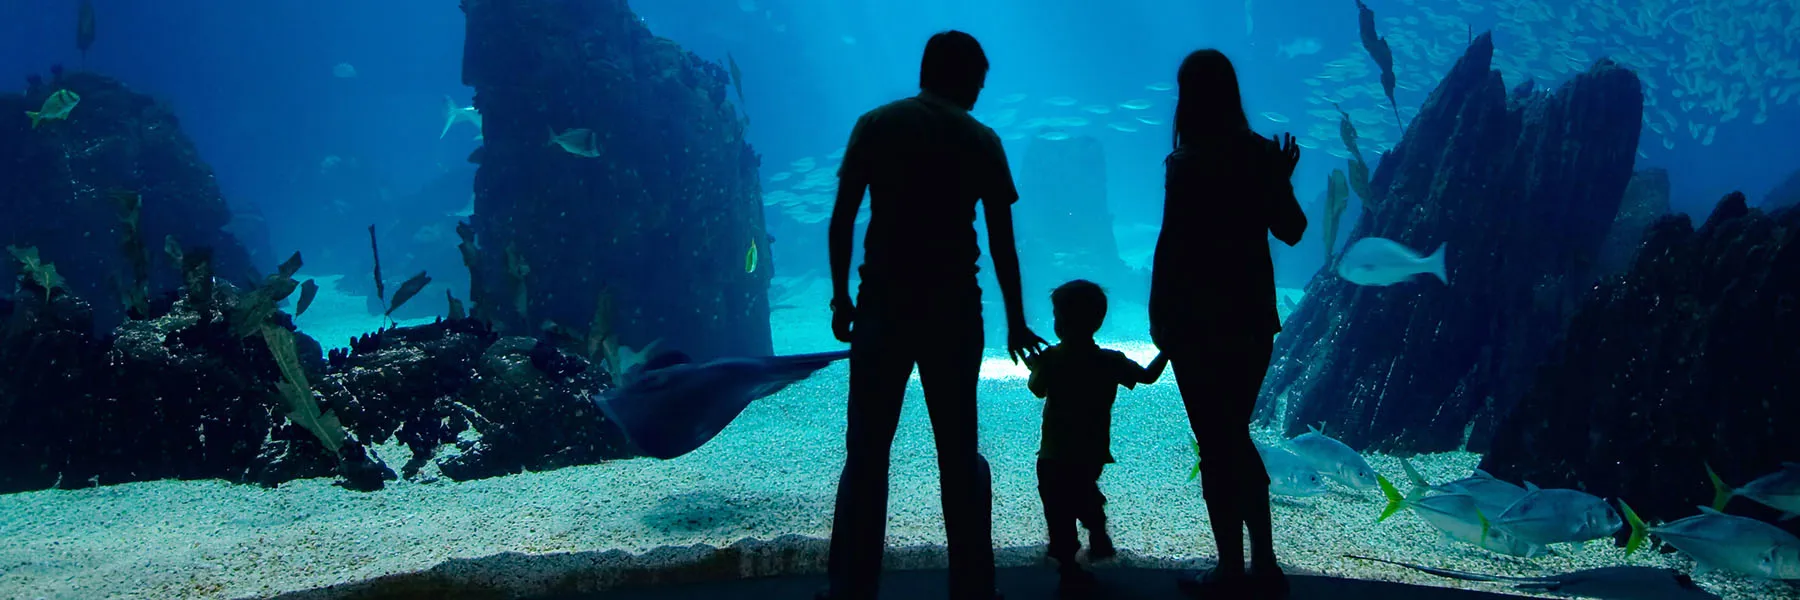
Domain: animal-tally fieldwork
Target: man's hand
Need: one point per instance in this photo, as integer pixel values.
(843, 312)
(1022, 344)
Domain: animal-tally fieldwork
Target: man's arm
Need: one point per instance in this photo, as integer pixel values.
(1006, 259)
(853, 182)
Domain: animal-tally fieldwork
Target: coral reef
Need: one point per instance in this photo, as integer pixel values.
(59, 191)
(661, 210)
(1686, 360)
(1646, 200)
(1523, 188)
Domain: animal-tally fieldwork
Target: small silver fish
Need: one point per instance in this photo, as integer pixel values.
(1550, 516)
(1719, 541)
(1460, 518)
(1290, 475)
(579, 142)
(1381, 261)
(1334, 459)
(1779, 490)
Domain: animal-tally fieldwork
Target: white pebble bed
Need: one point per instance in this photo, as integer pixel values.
(771, 473)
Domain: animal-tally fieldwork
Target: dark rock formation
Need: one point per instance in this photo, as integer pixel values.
(662, 218)
(1523, 189)
(178, 395)
(1785, 194)
(1646, 200)
(56, 190)
(1687, 360)
(1065, 226)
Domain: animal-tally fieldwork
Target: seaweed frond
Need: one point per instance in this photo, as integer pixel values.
(136, 293)
(255, 308)
(407, 290)
(456, 307)
(40, 273)
(380, 288)
(297, 394)
(471, 255)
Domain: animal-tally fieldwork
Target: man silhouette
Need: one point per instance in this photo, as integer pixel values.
(926, 163)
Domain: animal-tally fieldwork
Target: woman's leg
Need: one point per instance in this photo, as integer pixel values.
(1198, 375)
(1238, 394)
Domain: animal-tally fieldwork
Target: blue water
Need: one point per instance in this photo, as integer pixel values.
(253, 83)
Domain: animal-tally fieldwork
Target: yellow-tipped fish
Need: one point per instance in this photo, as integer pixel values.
(579, 142)
(750, 258)
(56, 107)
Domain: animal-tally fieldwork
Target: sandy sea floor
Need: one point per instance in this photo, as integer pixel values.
(773, 472)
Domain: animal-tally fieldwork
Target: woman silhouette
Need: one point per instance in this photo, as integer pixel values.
(1212, 305)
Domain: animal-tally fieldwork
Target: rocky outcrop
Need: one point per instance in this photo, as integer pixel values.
(1523, 188)
(1686, 360)
(57, 190)
(1065, 227)
(180, 395)
(1646, 200)
(662, 217)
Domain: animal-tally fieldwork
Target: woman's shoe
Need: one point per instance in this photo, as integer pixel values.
(1269, 582)
(1213, 584)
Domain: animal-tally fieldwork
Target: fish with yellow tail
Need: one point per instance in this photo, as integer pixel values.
(57, 107)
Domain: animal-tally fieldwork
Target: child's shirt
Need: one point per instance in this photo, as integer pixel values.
(1079, 382)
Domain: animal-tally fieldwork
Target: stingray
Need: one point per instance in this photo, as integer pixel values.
(1605, 583)
(671, 405)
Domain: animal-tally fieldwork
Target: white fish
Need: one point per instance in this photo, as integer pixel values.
(580, 142)
(1719, 541)
(1460, 518)
(782, 176)
(1333, 459)
(1096, 109)
(343, 71)
(1149, 120)
(1779, 490)
(1300, 47)
(1122, 127)
(1060, 101)
(1135, 105)
(1492, 495)
(1381, 261)
(804, 164)
(1160, 86)
(1010, 98)
(454, 114)
(1560, 515)
(1290, 475)
(1275, 116)
(1054, 136)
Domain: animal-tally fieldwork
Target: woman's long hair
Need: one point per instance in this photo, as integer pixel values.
(1209, 103)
